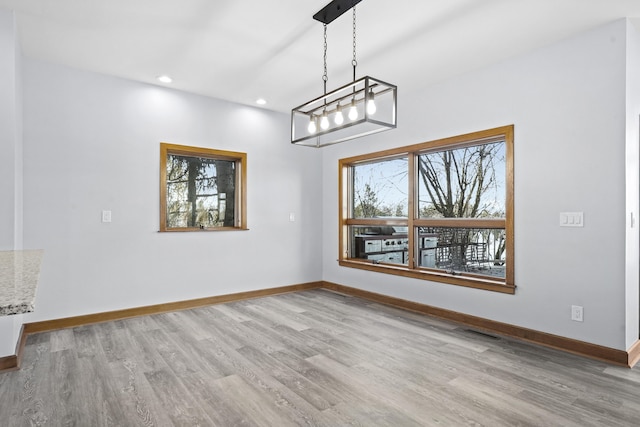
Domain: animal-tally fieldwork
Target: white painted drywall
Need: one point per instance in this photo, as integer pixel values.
(91, 143)
(567, 102)
(7, 343)
(632, 296)
(8, 132)
(10, 328)
(10, 160)
(18, 154)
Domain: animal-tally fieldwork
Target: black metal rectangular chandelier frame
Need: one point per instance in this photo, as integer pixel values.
(371, 102)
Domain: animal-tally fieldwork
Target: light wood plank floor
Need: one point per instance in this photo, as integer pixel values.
(307, 358)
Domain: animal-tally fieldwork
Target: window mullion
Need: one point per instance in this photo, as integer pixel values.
(412, 209)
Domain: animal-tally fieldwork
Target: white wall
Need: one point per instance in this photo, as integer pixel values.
(18, 227)
(10, 160)
(632, 296)
(567, 102)
(91, 143)
(18, 244)
(9, 138)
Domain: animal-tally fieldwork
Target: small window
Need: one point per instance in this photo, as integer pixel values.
(441, 210)
(202, 189)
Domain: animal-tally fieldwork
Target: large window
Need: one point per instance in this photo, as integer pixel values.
(201, 189)
(440, 210)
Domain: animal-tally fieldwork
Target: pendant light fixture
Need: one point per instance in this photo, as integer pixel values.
(369, 103)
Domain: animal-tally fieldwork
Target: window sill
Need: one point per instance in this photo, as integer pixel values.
(205, 230)
(458, 280)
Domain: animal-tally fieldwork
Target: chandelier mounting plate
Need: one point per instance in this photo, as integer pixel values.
(334, 9)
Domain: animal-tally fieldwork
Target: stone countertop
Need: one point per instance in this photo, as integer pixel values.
(19, 273)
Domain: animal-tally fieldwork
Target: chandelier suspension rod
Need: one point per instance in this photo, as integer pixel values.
(325, 76)
(354, 61)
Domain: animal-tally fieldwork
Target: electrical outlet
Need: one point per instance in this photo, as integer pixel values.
(577, 313)
(106, 216)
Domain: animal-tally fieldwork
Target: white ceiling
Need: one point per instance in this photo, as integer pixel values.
(246, 49)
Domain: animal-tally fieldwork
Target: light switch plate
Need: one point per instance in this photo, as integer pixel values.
(571, 219)
(106, 216)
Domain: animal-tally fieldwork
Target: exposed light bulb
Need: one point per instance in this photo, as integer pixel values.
(324, 121)
(312, 125)
(371, 103)
(339, 118)
(353, 111)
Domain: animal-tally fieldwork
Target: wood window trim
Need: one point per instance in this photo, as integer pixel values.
(239, 158)
(505, 133)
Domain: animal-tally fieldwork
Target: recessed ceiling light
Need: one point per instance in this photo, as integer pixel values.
(261, 101)
(165, 79)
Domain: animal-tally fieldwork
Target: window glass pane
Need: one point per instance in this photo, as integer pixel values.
(478, 251)
(465, 182)
(380, 189)
(200, 192)
(384, 244)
